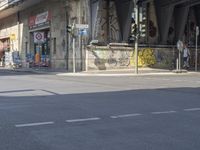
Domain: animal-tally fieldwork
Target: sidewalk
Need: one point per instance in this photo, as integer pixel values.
(125, 72)
(34, 70)
(117, 72)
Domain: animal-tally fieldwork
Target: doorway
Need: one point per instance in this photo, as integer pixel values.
(41, 48)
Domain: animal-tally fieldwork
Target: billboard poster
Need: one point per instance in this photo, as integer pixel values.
(39, 20)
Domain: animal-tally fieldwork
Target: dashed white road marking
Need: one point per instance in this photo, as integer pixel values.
(192, 109)
(33, 124)
(125, 116)
(82, 120)
(163, 112)
(97, 118)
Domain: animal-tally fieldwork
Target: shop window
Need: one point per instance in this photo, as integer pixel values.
(54, 45)
(26, 48)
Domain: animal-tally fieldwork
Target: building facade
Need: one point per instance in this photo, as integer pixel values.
(38, 33)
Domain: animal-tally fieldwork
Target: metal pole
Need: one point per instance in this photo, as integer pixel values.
(74, 61)
(136, 39)
(179, 67)
(67, 36)
(86, 62)
(19, 32)
(196, 52)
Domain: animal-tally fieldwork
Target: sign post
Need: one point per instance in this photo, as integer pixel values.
(180, 48)
(74, 60)
(196, 52)
(74, 48)
(82, 32)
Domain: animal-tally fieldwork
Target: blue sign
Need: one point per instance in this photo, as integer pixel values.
(83, 32)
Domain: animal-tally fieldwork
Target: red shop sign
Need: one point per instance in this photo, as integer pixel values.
(39, 19)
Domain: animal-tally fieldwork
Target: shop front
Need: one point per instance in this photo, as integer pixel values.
(39, 30)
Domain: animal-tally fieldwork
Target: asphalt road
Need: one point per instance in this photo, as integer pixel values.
(49, 112)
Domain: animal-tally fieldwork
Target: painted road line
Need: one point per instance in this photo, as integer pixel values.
(125, 116)
(163, 112)
(33, 124)
(82, 120)
(192, 109)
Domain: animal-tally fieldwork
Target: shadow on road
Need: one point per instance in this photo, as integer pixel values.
(9, 72)
(144, 97)
(169, 131)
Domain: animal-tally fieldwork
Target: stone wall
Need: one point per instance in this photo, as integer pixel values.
(103, 58)
(106, 58)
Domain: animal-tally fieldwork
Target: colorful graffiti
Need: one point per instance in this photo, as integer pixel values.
(110, 59)
(107, 59)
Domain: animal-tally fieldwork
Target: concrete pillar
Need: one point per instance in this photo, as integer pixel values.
(181, 15)
(164, 16)
(124, 11)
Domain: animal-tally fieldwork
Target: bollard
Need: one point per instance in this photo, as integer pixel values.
(177, 64)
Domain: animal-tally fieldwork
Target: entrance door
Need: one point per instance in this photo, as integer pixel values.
(42, 50)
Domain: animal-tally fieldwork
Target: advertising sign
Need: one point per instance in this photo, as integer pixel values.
(13, 37)
(8, 58)
(39, 20)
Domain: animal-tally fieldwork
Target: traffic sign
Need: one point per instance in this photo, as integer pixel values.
(38, 37)
(197, 30)
(82, 26)
(180, 45)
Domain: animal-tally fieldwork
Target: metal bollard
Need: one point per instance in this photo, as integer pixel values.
(177, 64)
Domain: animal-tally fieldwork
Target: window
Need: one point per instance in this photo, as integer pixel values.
(54, 45)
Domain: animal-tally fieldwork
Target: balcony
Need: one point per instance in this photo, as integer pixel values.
(9, 7)
(4, 4)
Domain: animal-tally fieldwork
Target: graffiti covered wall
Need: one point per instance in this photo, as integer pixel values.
(106, 58)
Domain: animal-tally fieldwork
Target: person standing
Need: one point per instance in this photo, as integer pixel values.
(186, 57)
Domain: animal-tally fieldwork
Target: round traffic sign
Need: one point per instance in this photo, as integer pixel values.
(180, 45)
(38, 36)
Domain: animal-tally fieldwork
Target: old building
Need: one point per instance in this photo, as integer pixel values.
(37, 30)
